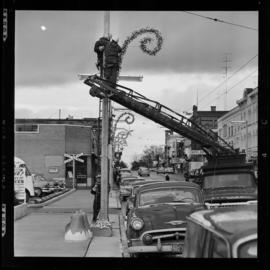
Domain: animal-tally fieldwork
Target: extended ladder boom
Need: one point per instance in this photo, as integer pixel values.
(209, 141)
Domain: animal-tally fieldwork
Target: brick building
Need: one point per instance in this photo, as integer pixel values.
(207, 119)
(42, 143)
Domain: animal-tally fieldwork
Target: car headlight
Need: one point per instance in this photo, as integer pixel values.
(137, 223)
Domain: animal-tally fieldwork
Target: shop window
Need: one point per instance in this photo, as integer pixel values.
(27, 128)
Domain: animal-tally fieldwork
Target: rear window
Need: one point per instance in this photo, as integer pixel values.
(228, 180)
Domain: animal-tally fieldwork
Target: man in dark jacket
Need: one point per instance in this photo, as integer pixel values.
(111, 50)
(96, 190)
(112, 61)
(99, 49)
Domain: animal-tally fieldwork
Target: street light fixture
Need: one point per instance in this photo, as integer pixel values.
(246, 125)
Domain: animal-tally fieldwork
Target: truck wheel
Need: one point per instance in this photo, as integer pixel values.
(38, 192)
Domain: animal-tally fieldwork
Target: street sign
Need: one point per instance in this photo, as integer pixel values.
(68, 160)
(73, 157)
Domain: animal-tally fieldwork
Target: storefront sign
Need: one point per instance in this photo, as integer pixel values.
(19, 183)
(53, 170)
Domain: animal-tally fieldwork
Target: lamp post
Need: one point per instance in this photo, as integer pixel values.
(246, 125)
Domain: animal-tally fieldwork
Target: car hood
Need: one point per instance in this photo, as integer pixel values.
(230, 193)
(162, 216)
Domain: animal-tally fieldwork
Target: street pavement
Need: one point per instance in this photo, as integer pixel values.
(41, 233)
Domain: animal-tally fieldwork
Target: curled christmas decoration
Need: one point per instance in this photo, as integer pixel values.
(144, 42)
(129, 120)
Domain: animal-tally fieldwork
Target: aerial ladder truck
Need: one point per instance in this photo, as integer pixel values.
(224, 163)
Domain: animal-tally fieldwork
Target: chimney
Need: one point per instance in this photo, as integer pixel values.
(213, 108)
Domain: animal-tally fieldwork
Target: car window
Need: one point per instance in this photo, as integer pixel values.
(169, 195)
(228, 180)
(218, 248)
(248, 249)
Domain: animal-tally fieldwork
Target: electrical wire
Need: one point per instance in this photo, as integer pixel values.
(226, 80)
(221, 21)
(231, 87)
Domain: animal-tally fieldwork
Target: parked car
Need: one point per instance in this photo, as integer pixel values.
(22, 173)
(169, 170)
(143, 171)
(41, 185)
(160, 170)
(229, 232)
(157, 221)
(126, 186)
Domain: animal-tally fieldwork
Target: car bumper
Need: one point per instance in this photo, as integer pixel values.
(139, 247)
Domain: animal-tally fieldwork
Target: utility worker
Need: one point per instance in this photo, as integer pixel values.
(99, 49)
(112, 61)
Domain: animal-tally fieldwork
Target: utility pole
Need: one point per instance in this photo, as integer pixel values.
(103, 215)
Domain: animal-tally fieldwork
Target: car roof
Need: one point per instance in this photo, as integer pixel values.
(233, 222)
(168, 184)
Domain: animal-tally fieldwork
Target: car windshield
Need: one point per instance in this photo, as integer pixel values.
(248, 249)
(228, 180)
(169, 195)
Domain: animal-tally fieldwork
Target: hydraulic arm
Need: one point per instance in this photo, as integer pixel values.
(213, 145)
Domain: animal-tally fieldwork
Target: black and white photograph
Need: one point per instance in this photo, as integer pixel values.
(135, 134)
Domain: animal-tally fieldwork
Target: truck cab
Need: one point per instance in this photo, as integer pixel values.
(227, 185)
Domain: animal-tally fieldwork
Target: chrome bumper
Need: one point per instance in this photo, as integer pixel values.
(176, 248)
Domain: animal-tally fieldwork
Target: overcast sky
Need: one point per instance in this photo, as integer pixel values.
(52, 47)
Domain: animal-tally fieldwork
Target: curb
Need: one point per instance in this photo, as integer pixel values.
(54, 199)
(123, 237)
(20, 211)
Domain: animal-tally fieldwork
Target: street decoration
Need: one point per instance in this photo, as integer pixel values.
(119, 139)
(144, 42)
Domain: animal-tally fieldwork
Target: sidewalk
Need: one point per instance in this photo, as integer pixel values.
(41, 233)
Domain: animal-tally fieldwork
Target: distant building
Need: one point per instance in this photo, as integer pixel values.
(173, 143)
(207, 119)
(42, 143)
(239, 127)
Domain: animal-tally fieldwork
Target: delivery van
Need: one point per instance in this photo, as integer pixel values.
(23, 181)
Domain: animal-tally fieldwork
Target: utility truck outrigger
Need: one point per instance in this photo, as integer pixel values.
(225, 164)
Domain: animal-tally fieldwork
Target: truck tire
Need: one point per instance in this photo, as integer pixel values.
(38, 192)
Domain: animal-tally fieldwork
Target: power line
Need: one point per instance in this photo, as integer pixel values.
(221, 21)
(231, 87)
(241, 67)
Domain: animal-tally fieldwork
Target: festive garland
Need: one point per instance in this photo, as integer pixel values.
(143, 42)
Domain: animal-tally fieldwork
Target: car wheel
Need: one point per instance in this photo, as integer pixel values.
(38, 192)
(27, 195)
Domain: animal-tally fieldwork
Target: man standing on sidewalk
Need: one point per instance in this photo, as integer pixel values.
(96, 190)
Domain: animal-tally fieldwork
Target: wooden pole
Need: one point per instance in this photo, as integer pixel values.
(105, 138)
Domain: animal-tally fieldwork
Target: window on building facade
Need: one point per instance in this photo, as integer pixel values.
(224, 131)
(26, 128)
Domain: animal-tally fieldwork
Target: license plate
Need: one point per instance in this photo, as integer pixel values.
(178, 248)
